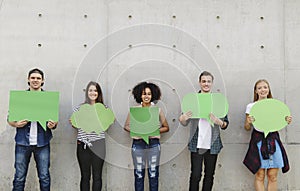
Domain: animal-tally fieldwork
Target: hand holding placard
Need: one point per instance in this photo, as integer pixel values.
(144, 122)
(202, 104)
(269, 115)
(91, 118)
(41, 106)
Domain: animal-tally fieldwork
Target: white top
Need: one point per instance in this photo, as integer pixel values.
(204, 134)
(248, 109)
(33, 133)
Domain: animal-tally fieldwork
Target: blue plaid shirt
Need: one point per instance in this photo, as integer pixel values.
(216, 142)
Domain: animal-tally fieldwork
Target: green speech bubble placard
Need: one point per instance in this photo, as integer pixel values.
(144, 122)
(202, 104)
(93, 118)
(269, 115)
(40, 106)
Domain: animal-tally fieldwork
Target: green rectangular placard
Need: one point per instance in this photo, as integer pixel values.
(40, 106)
(202, 104)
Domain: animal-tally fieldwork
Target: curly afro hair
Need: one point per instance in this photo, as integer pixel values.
(139, 88)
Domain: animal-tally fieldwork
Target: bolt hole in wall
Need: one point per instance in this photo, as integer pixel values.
(259, 18)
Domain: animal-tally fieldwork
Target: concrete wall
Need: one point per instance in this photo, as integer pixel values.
(121, 42)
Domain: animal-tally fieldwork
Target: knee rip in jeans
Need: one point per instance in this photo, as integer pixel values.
(139, 171)
(139, 168)
(152, 172)
(139, 160)
(153, 160)
(153, 167)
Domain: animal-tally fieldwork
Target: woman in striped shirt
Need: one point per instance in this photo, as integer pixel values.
(91, 146)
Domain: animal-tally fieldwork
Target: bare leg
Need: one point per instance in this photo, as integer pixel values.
(272, 179)
(259, 180)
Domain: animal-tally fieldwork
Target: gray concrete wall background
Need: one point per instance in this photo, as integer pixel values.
(247, 39)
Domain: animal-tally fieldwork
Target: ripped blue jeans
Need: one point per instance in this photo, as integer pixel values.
(142, 154)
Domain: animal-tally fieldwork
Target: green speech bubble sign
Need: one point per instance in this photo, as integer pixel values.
(269, 115)
(93, 118)
(202, 104)
(144, 122)
(40, 106)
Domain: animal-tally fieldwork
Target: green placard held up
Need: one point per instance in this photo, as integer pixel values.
(40, 106)
(144, 122)
(93, 118)
(202, 104)
(269, 115)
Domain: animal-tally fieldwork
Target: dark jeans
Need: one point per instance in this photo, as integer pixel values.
(91, 161)
(22, 159)
(197, 160)
(142, 154)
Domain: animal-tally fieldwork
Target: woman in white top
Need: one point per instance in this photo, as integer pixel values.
(265, 155)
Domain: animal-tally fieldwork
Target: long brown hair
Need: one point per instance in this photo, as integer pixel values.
(256, 95)
(100, 96)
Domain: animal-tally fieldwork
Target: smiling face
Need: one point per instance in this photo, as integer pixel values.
(92, 94)
(206, 84)
(262, 90)
(146, 97)
(35, 81)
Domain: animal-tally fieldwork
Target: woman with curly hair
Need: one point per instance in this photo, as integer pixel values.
(145, 94)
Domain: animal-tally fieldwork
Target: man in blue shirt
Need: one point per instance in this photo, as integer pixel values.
(32, 138)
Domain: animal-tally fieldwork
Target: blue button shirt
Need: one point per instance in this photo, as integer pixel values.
(43, 137)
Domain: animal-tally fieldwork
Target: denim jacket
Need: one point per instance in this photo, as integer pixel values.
(43, 137)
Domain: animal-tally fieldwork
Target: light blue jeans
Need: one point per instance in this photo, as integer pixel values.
(142, 154)
(22, 159)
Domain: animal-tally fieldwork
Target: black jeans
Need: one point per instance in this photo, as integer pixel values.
(197, 160)
(89, 160)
